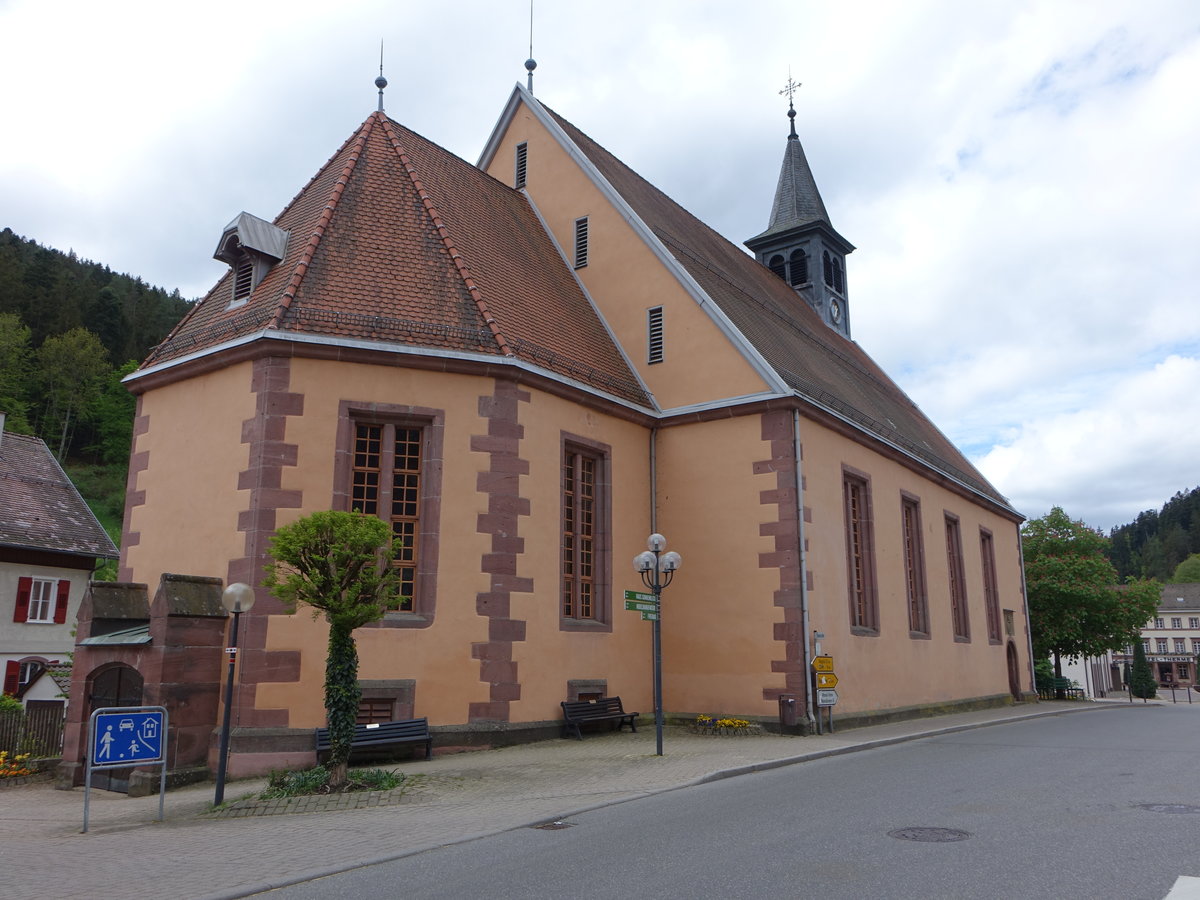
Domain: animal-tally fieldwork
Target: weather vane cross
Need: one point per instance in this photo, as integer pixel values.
(790, 88)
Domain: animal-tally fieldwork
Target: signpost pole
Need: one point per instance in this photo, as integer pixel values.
(657, 569)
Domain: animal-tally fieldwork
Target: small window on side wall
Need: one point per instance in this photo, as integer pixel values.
(654, 335)
(522, 165)
(581, 242)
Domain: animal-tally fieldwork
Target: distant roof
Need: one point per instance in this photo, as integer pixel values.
(40, 509)
(811, 358)
(1180, 596)
(396, 242)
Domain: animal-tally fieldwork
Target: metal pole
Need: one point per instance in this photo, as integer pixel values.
(223, 751)
(658, 701)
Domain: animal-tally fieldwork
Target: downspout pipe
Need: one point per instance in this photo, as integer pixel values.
(1025, 601)
(809, 708)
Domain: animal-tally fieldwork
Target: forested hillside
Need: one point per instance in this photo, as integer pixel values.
(70, 329)
(1154, 543)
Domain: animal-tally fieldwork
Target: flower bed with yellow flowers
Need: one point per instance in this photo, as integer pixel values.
(14, 767)
(710, 725)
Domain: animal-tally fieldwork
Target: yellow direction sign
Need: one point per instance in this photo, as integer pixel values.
(822, 664)
(826, 680)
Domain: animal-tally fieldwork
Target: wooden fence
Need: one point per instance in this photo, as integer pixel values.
(37, 730)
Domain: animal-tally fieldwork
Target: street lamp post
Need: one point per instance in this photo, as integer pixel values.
(657, 569)
(237, 599)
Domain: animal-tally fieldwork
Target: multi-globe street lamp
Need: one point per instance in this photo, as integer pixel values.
(657, 568)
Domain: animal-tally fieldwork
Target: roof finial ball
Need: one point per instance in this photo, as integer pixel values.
(530, 65)
(381, 82)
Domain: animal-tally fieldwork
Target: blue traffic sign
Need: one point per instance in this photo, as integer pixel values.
(131, 737)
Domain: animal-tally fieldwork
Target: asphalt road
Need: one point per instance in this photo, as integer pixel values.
(1104, 805)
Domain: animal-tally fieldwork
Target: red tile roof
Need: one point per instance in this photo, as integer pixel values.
(40, 509)
(398, 241)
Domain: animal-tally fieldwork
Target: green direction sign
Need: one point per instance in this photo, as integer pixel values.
(638, 595)
(640, 606)
(649, 616)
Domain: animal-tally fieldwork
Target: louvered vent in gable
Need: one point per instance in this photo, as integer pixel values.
(654, 335)
(581, 242)
(522, 164)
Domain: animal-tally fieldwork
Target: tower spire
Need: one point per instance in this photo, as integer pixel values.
(530, 64)
(381, 82)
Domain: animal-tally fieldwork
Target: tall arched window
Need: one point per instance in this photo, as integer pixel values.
(828, 266)
(776, 265)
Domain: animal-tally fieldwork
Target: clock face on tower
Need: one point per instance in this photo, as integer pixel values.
(835, 311)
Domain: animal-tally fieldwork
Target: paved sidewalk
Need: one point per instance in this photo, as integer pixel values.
(253, 846)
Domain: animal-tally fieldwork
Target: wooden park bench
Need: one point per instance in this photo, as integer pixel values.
(606, 709)
(382, 735)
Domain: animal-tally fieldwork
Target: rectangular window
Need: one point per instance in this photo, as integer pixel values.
(1159, 623)
(1160, 645)
(1193, 622)
(522, 165)
(654, 335)
(1196, 646)
(581, 242)
(860, 554)
(1181, 645)
(583, 599)
(914, 566)
(1182, 670)
(991, 593)
(1176, 622)
(958, 582)
(41, 601)
(1146, 645)
(386, 482)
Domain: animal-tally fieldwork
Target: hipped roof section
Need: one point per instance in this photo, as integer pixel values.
(397, 241)
(814, 360)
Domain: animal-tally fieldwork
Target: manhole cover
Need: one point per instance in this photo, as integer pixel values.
(553, 826)
(930, 835)
(1175, 808)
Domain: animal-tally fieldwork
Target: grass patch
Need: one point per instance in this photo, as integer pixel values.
(281, 785)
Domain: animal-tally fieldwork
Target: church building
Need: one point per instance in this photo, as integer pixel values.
(527, 366)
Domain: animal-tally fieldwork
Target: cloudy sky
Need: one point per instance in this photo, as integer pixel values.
(1022, 179)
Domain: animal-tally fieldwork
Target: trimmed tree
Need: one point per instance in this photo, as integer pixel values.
(340, 564)
(1075, 606)
(1188, 571)
(1141, 679)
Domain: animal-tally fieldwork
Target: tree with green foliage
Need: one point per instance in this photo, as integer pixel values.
(1188, 571)
(1141, 678)
(72, 367)
(15, 373)
(340, 564)
(1075, 606)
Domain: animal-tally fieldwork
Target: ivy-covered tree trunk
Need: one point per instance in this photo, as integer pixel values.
(1142, 683)
(342, 695)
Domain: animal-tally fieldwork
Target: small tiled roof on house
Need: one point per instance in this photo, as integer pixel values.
(397, 242)
(815, 361)
(40, 509)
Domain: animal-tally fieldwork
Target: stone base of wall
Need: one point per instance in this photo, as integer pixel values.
(923, 711)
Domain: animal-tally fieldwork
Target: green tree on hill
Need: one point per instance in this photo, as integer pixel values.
(1188, 571)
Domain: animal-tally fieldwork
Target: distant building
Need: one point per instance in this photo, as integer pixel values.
(527, 367)
(50, 543)
(1172, 638)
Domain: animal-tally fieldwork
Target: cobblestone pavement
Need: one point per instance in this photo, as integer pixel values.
(253, 845)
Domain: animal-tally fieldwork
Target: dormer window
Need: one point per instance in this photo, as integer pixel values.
(251, 246)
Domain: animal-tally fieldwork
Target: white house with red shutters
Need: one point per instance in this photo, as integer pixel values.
(50, 543)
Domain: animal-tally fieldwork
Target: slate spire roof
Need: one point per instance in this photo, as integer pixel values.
(397, 243)
(40, 509)
(798, 202)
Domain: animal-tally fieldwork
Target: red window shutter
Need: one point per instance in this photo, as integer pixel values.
(60, 606)
(24, 589)
(12, 676)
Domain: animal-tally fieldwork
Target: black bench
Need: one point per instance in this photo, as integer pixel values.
(381, 735)
(606, 709)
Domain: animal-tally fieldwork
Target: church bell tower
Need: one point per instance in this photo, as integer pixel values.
(800, 244)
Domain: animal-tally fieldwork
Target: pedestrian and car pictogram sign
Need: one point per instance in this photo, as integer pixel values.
(127, 738)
